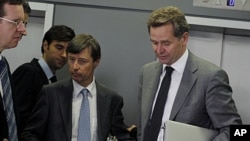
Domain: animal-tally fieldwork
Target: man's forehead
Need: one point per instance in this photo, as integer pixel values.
(14, 11)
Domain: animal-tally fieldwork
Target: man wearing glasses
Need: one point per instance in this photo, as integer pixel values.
(12, 27)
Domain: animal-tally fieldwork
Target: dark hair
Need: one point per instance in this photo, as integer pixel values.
(83, 41)
(58, 33)
(11, 2)
(169, 15)
(26, 8)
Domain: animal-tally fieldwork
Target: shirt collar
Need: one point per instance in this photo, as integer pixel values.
(180, 64)
(45, 68)
(78, 88)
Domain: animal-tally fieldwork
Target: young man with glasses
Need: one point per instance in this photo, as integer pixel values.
(12, 28)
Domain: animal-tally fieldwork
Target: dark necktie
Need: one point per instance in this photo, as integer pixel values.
(84, 118)
(8, 101)
(53, 79)
(153, 126)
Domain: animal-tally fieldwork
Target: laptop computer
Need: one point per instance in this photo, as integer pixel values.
(177, 131)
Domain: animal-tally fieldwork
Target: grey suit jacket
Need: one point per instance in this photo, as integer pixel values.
(204, 97)
(51, 118)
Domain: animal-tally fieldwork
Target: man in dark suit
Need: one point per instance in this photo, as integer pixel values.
(199, 92)
(12, 27)
(29, 78)
(57, 114)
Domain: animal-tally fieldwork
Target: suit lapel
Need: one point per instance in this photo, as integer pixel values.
(3, 121)
(153, 81)
(65, 93)
(39, 69)
(102, 106)
(186, 85)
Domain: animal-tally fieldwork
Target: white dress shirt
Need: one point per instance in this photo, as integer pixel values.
(76, 105)
(179, 67)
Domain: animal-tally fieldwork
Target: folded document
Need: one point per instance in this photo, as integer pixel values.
(177, 131)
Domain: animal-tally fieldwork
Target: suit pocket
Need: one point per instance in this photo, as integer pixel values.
(192, 114)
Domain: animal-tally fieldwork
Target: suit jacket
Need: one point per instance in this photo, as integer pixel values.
(52, 116)
(3, 121)
(204, 97)
(28, 80)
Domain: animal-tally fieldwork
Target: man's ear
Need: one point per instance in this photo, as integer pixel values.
(96, 63)
(45, 45)
(185, 37)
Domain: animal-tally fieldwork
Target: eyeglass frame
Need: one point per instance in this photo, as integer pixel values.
(17, 23)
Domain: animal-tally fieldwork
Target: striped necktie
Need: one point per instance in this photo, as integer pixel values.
(84, 119)
(8, 101)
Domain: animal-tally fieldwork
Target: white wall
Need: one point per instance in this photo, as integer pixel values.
(206, 45)
(235, 60)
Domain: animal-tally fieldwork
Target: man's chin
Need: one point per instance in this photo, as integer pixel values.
(13, 46)
(164, 62)
(60, 65)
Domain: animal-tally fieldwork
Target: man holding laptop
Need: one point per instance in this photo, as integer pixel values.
(180, 86)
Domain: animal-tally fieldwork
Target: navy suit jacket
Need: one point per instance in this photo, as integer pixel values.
(3, 122)
(51, 118)
(28, 80)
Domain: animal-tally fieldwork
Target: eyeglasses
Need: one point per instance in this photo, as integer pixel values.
(16, 23)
